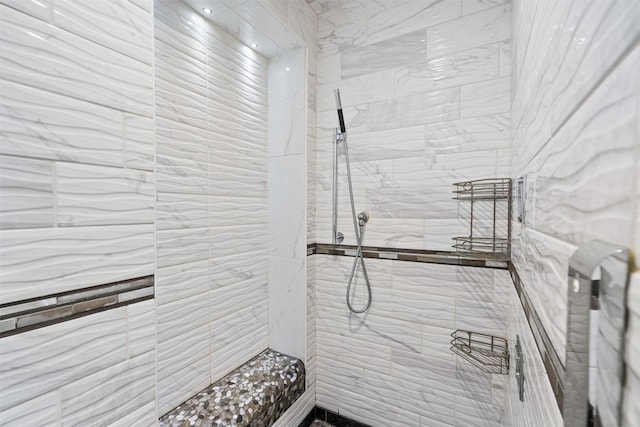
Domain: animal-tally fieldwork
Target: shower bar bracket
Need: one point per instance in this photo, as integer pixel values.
(336, 236)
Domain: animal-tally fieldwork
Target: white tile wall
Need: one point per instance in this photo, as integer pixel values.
(575, 126)
(397, 356)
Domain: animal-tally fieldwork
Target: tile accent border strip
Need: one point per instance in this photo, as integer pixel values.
(26, 315)
(412, 255)
(552, 363)
(318, 413)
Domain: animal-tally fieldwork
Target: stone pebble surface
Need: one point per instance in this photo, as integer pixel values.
(254, 395)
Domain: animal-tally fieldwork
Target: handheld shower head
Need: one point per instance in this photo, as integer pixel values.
(343, 128)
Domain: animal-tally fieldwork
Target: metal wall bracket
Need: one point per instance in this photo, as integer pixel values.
(519, 369)
(598, 276)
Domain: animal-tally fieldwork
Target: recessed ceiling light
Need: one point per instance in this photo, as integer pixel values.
(254, 45)
(207, 10)
(288, 68)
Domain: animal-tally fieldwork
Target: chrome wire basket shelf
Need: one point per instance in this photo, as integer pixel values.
(483, 189)
(489, 217)
(487, 352)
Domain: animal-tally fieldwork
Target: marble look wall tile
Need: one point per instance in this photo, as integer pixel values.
(543, 266)
(474, 30)
(175, 139)
(286, 300)
(92, 396)
(180, 281)
(286, 208)
(118, 25)
(178, 25)
(439, 233)
(144, 415)
(439, 172)
(329, 69)
(225, 211)
(586, 172)
(409, 16)
(236, 240)
(26, 193)
(237, 180)
(410, 203)
(180, 386)
(286, 101)
(469, 283)
(176, 175)
(473, 6)
(506, 64)
(321, 6)
(139, 142)
(229, 299)
(141, 321)
(177, 318)
(83, 69)
(46, 126)
(39, 411)
(385, 144)
(181, 105)
(237, 338)
(232, 269)
(412, 306)
(459, 68)
(357, 90)
(469, 412)
(384, 55)
(475, 133)
(490, 97)
(181, 351)
(95, 195)
(480, 316)
(334, 38)
(440, 374)
(371, 411)
(412, 110)
(181, 210)
(84, 257)
(591, 52)
(181, 246)
(75, 349)
(36, 8)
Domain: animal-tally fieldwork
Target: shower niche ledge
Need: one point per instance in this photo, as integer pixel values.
(487, 208)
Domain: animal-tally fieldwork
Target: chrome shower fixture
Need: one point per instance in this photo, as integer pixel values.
(359, 221)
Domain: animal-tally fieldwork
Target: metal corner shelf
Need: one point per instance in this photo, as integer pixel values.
(487, 352)
(494, 241)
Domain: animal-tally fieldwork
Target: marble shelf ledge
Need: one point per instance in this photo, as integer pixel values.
(487, 260)
(25, 315)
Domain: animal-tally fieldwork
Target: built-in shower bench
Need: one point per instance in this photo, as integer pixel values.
(255, 395)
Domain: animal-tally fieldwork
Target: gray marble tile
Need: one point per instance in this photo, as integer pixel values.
(409, 16)
(412, 110)
(459, 68)
(384, 55)
(478, 29)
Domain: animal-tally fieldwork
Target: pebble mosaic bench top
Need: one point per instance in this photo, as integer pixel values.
(254, 395)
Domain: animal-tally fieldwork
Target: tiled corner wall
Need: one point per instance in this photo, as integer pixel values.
(393, 366)
(77, 207)
(425, 88)
(212, 202)
(576, 103)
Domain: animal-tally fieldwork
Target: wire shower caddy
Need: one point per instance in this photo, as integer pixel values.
(496, 241)
(487, 352)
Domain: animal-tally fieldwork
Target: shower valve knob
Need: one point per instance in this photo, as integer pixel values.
(364, 216)
(339, 237)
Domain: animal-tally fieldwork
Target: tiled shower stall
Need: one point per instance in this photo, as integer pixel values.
(143, 140)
